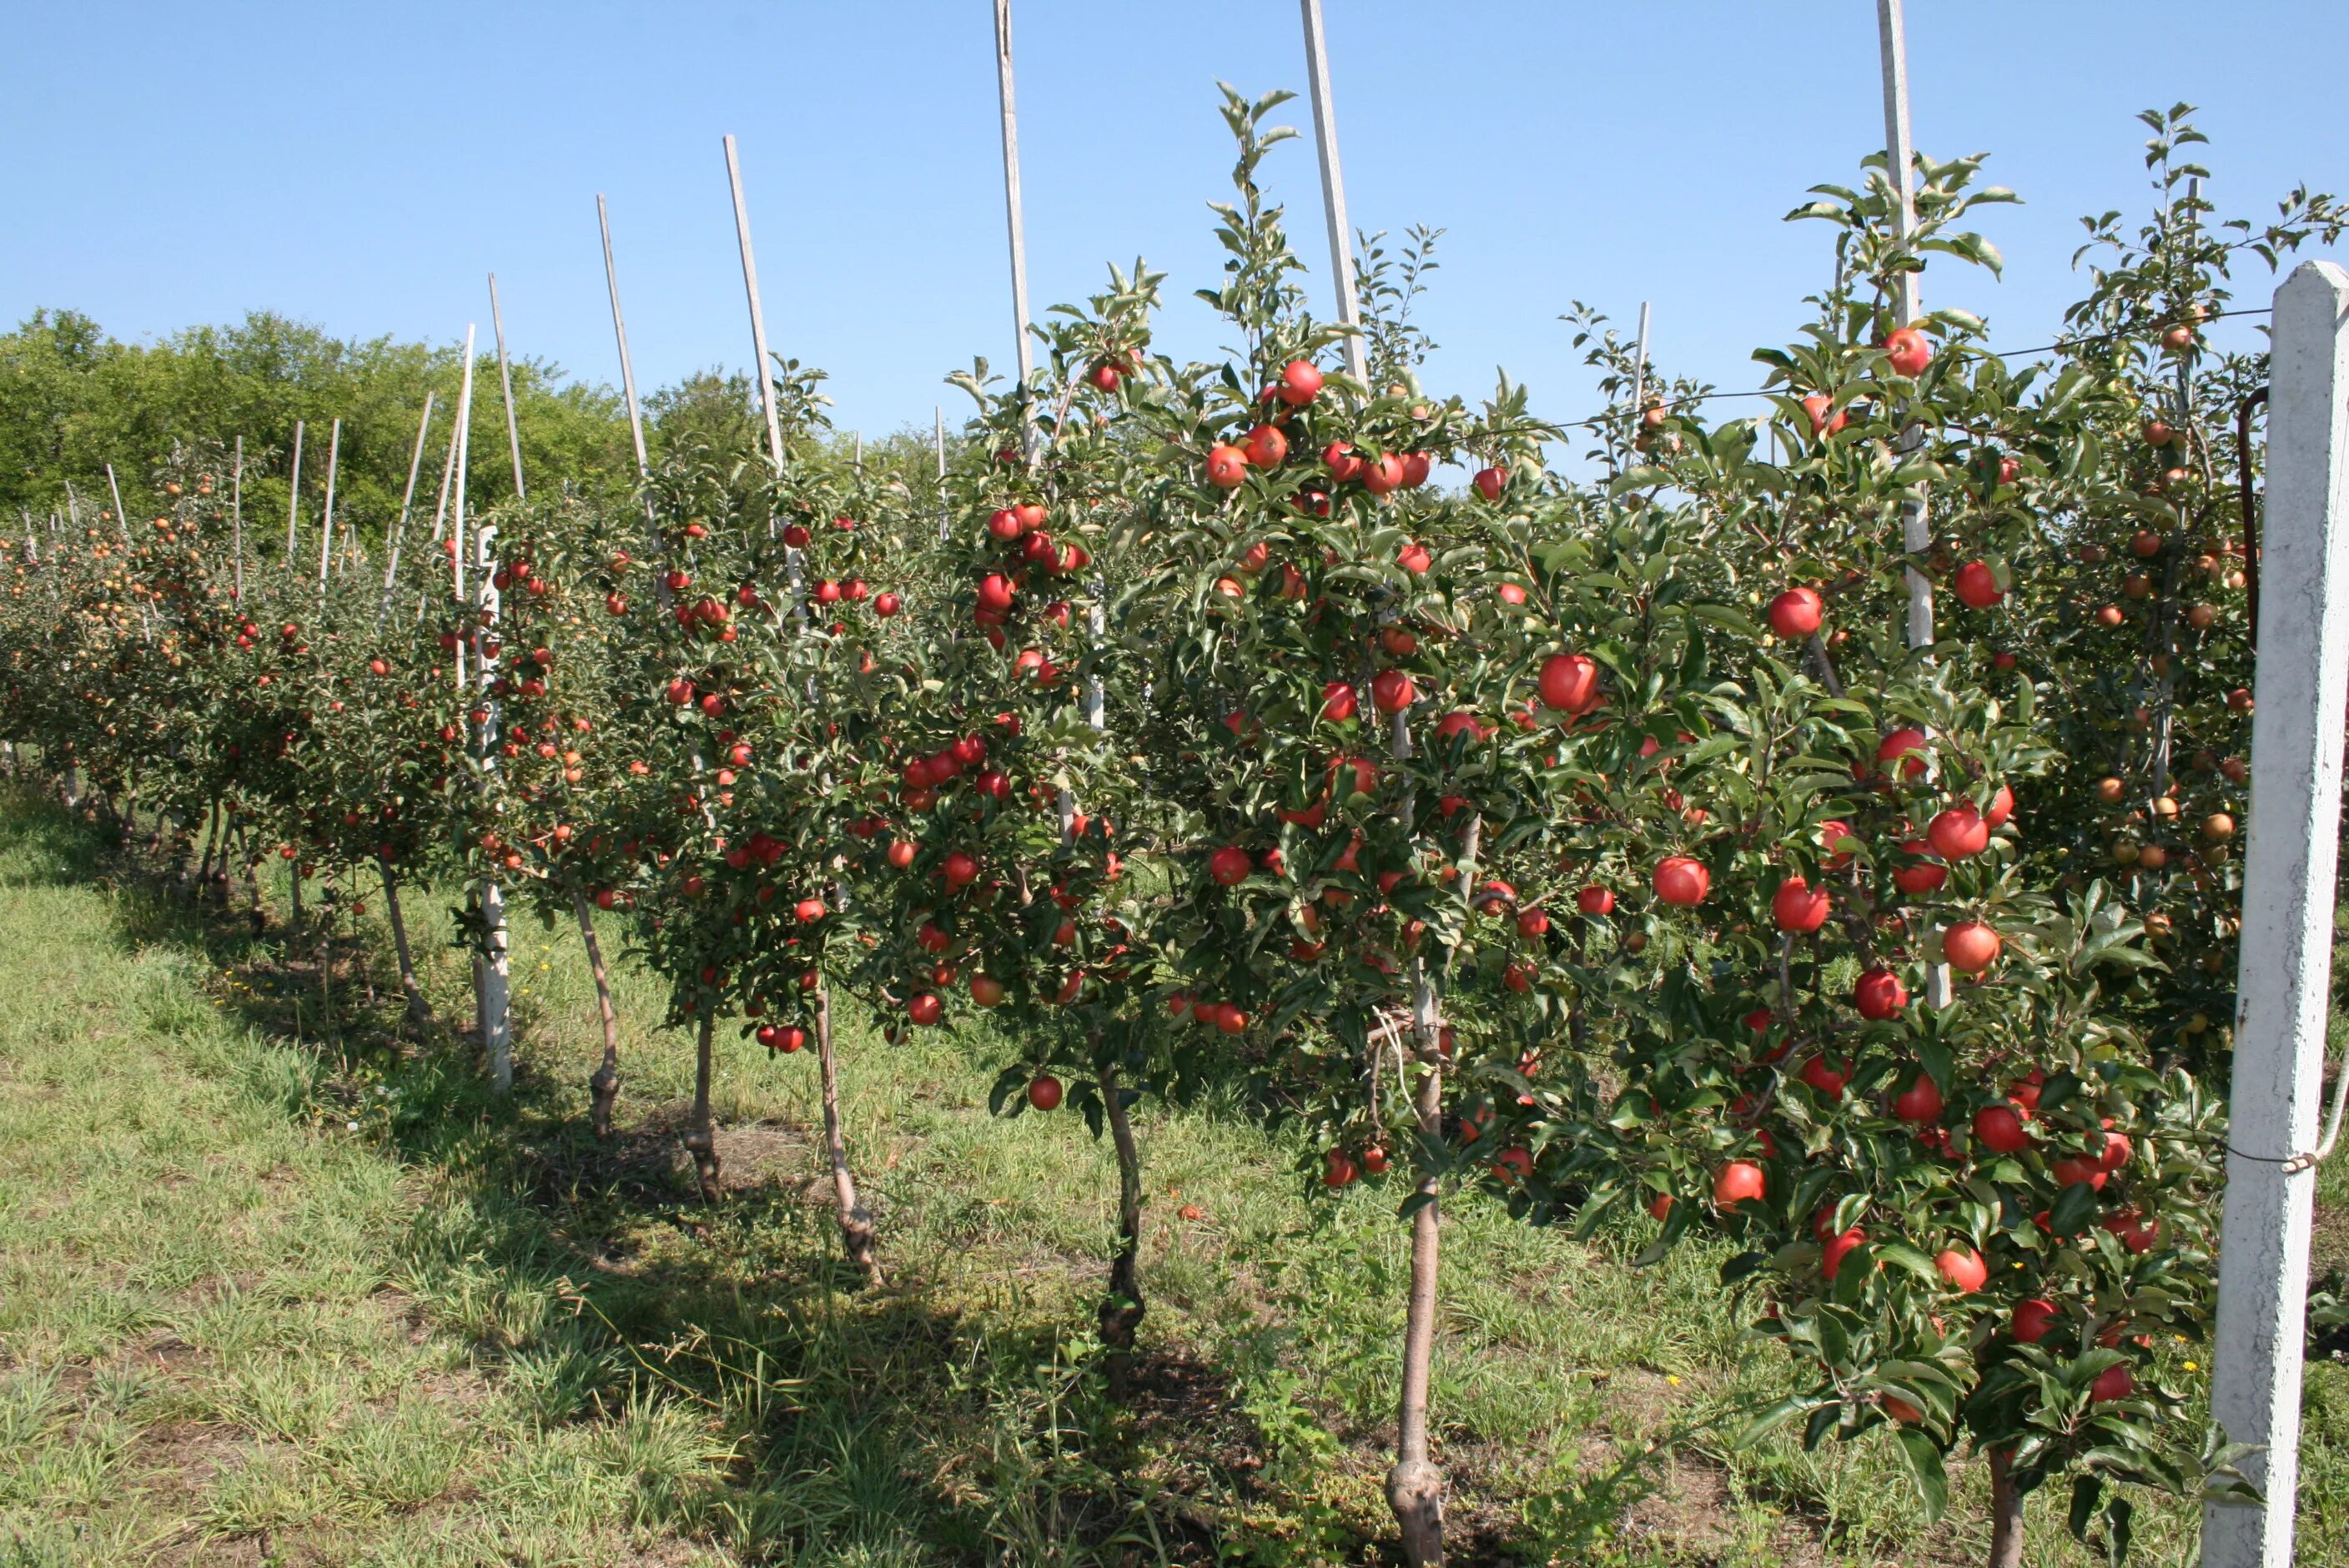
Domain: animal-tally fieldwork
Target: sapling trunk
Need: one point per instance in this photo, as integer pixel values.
(603, 1083)
(259, 912)
(855, 1224)
(701, 1135)
(2006, 1512)
(418, 1010)
(1416, 1486)
(1122, 1309)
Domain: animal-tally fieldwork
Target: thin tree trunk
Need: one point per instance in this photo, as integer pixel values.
(2006, 1514)
(251, 878)
(855, 1224)
(418, 1010)
(603, 1085)
(1122, 1309)
(1416, 1486)
(701, 1135)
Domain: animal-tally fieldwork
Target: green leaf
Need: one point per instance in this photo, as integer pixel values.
(1923, 1457)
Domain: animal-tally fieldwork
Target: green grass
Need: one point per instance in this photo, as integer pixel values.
(272, 1292)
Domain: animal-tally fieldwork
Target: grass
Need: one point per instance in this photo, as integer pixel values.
(270, 1293)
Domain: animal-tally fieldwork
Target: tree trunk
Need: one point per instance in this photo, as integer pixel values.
(418, 1010)
(603, 1085)
(258, 912)
(1416, 1486)
(2006, 1514)
(1122, 1309)
(701, 1135)
(855, 1224)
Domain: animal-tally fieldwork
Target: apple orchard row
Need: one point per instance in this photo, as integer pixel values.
(1602, 844)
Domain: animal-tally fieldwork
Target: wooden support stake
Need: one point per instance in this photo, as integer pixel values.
(1333, 191)
(1640, 370)
(236, 519)
(293, 498)
(1908, 304)
(505, 383)
(327, 529)
(406, 499)
(120, 516)
(762, 372)
(2289, 866)
(1014, 224)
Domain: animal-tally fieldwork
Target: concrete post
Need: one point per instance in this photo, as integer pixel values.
(2289, 864)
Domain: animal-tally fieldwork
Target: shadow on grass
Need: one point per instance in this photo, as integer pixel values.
(843, 1425)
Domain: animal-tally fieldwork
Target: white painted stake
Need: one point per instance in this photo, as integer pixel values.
(1908, 305)
(293, 498)
(120, 516)
(236, 519)
(465, 434)
(1333, 191)
(1015, 225)
(2288, 868)
(406, 499)
(440, 516)
(505, 382)
(327, 531)
(1640, 367)
(944, 523)
(766, 383)
(1916, 533)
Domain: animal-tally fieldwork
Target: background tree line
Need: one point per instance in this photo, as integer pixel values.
(74, 399)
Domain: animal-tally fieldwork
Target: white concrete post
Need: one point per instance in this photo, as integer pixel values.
(2284, 979)
(765, 379)
(493, 976)
(1333, 191)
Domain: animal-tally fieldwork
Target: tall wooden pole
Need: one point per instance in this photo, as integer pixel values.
(1640, 367)
(620, 333)
(440, 513)
(236, 519)
(2290, 870)
(761, 370)
(464, 435)
(505, 383)
(628, 387)
(406, 499)
(1908, 305)
(293, 498)
(945, 522)
(327, 529)
(1333, 191)
(120, 516)
(1014, 224)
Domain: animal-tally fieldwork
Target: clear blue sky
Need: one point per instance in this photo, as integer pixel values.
(363, 167)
